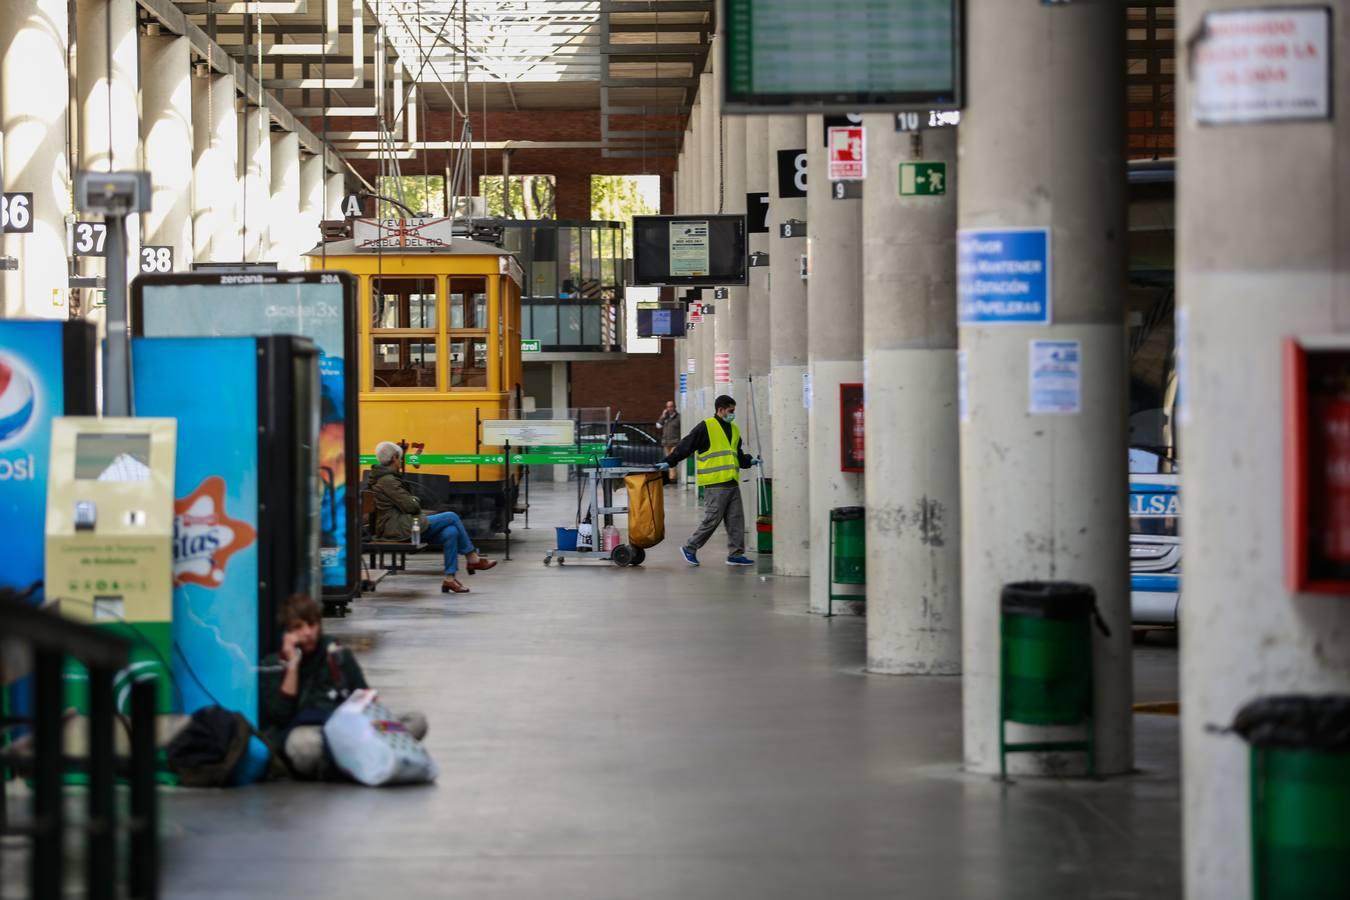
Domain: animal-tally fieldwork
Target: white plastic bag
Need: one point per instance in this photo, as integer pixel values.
(371, 745)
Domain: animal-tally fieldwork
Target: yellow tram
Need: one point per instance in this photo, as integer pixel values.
(440, 352)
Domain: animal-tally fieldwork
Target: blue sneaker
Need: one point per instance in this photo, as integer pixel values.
(740, 561)
(689, 556)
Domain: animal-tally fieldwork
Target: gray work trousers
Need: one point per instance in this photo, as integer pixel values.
(721, 504)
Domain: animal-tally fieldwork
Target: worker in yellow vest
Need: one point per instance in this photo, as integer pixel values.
(716, 443)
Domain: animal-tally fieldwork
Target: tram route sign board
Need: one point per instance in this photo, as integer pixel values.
(400, 234)
(828, 56)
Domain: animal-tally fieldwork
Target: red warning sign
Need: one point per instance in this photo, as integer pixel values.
(722, 368)
(848, 153)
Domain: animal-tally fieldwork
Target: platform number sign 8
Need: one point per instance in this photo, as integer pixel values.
(156, 259)
(16, 213)
(792, 173)
(90, 238)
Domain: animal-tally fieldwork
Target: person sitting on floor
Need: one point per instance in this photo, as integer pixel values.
(396, 509)
(301, 686)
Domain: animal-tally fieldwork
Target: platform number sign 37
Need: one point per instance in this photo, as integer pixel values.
(16, 213)
(156, 259)
(90, 238)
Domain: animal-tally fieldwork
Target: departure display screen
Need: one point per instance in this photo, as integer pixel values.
(842, 55)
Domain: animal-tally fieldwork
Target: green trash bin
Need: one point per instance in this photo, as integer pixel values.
(764, 521)
(1045, 664)
(848, 553)
(1300, 796)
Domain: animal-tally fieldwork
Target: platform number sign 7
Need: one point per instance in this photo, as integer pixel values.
(90, 238)
(792, 173)
(757, 213)
(16, 213)
(156, 259)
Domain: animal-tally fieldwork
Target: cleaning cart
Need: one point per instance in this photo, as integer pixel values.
(597, 505)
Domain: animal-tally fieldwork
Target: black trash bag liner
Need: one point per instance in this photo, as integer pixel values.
(1063, 601)
(847, 513)
(1297, 722)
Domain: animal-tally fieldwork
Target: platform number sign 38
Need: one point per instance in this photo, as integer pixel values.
(16, 213)
(156, 259)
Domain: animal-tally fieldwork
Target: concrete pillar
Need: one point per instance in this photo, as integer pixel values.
(1044, 495)
(166, 135)
(215, 151)
(255, 183)
(790, 469)
(913, 463)
(733, 315)
(757, 327)
(712, 171)
(311, 203)
(337, 188)
(284, 231)
(109, 112)
(834, 354)
(33, 126)
(1258, 260)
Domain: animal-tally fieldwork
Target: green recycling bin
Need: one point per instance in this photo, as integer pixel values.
(1046, 663)
(848, 553)
(1300, 796)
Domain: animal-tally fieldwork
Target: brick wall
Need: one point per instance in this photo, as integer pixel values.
(638, 386)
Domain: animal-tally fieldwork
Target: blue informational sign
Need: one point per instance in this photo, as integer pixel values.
(684, 383)
(215, 560)
(1003, 277)
(316, 305)
(34, 389)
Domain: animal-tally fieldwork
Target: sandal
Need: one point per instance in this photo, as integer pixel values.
(450, 585)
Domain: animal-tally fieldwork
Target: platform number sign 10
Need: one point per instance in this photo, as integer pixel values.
(90, 238)
(156, 259)
(16, 213)
(792, 173)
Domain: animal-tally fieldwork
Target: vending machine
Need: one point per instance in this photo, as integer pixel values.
(109, 534)
(47, 370)
(246, 499)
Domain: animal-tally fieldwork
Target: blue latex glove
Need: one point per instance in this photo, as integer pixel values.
(756, 461)
(662, 466)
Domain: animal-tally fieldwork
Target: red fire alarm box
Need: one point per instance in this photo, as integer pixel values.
(852, 439)
(1317, 464)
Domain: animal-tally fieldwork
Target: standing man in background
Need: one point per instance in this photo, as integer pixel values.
(669, 428)
(716, 443)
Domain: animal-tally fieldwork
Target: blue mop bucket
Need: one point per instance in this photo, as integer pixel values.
(567, 538)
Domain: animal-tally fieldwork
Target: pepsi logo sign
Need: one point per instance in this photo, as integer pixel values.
(18, 399)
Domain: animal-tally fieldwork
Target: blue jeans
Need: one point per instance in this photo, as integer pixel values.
(446, 529)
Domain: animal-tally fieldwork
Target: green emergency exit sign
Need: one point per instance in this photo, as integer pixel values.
(531, 346)
(920, 179)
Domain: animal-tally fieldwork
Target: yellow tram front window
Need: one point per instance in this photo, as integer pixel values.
(468, 332)
(405, 342)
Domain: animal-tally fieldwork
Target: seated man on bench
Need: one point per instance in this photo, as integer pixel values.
(396, 509)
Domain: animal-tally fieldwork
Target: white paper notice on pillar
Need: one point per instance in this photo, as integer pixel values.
(1262, 65)
(692, 365)
(1056, 378)
(722, 368)
(847, 153)
(963, 384)
(806, 390)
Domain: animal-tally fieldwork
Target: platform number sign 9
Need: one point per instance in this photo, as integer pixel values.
(90, 238)
(156, 260)
(16, 213)
(792, 173)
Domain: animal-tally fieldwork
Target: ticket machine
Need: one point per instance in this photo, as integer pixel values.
(109, 539)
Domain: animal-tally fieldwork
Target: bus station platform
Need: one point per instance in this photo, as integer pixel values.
(670, 732)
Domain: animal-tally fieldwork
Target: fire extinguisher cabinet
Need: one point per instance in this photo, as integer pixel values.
(848, 554)
(1300, 796)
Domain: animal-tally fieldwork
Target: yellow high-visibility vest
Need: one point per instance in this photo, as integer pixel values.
(720, 463)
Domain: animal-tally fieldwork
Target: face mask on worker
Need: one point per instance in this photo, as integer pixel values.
(730, 417)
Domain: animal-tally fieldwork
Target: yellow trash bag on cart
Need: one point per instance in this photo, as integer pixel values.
(646, 508)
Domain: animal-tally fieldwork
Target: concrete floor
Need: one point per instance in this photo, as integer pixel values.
(672, 733)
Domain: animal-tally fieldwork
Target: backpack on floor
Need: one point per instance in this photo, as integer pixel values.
(646, 508)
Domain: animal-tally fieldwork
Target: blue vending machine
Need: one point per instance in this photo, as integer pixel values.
(247, 501)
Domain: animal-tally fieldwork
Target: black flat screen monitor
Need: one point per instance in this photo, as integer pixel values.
(842, 56)
(665, 321)
(694, 250)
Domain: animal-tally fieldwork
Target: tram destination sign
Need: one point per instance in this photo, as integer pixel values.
(842, 56)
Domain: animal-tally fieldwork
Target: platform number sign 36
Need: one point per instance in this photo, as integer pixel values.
(90, 238)
(156, 259)
(16, 213)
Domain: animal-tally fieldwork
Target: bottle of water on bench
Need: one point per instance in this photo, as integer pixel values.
(417, 533)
